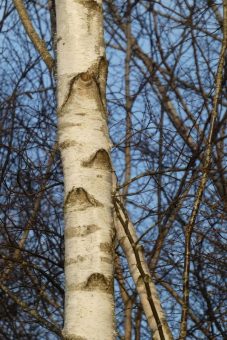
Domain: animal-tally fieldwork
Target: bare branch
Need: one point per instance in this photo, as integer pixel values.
(39, 44)
(206, 163)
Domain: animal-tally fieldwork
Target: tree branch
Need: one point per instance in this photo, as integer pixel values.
(141, 275)
(38, 43)
(32, 312)
(206, 165)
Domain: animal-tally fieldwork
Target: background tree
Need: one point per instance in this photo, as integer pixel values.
(163, 60)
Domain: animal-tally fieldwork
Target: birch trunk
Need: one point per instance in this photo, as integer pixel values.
(84, 145)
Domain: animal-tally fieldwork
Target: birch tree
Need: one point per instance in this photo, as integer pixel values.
(166, 103)
(85, 147)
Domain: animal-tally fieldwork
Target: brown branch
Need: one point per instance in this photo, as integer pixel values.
(194, 318)
(202, 184)
(215, 10)
(176, 120)
(128, 103)
(40, 289)
(173, 211)
(38, 43)
(32, 312)
(29, 224)
(170, 217)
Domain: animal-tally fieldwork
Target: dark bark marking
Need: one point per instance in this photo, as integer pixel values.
(102, 79)
(95, 281)
(93, 79)
(100, 160)
(79, 258)
(81, 231)
(106, 247)
(100, 282)
(68, 94)
(73, 337)
(66, 144)
(67, 125)
(86, 77)
(91, 5)
(93, 9)
(106, 259)
(81, 200)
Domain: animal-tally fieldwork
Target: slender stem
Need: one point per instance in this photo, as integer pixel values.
(28, 226)
(202, 184)
(32, 312)
(128, 104)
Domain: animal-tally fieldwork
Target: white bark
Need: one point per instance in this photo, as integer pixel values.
(84, 145)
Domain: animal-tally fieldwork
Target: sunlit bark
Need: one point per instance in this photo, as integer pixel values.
(84, 145)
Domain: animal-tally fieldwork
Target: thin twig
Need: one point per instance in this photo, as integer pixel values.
(202, 184)
(32, 312)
